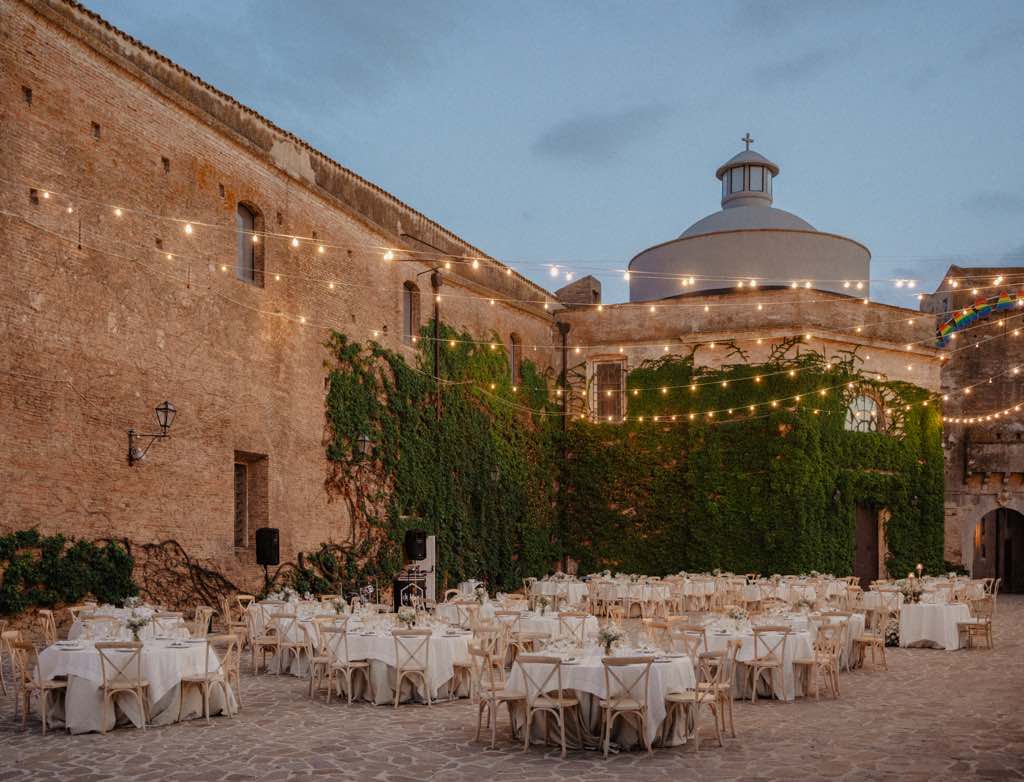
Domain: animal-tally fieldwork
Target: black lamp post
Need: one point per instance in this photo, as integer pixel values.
(165, 413)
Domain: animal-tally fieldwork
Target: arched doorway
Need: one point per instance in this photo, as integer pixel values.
(999, 548)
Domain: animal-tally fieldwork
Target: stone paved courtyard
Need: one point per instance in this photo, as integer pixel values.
(935, 715)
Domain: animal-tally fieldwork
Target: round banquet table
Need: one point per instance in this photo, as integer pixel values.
(872, 600)
(449, 612)
(932, 624)
(575, 591)
(378, 647)
(799, 645)
(163, 666)
(586, 679)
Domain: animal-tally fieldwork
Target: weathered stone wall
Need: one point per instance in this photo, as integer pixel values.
(984, 460)
(99, 326)
(636, 333)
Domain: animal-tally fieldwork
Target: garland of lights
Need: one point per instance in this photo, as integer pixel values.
(709, 414)
(392, 253)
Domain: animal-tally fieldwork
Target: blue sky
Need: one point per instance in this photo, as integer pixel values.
(584, 132)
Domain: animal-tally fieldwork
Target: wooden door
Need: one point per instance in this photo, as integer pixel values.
(865, 559)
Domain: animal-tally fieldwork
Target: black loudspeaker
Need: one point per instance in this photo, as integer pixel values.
(416, 545)
(268, 548)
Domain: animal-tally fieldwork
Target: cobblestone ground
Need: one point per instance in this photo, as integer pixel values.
(934, 715)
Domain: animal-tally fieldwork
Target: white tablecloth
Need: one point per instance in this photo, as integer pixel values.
(931, 624)
(162, 666)
(798, 645)
(379, 650)
(587, 679)
(576, 591)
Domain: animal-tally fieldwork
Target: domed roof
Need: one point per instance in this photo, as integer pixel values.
(739, 218)
(747, 157)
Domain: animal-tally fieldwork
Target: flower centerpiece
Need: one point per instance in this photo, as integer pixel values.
(340, 606)
(804, 604)
(542, 603)
(480, 593)
(132, 602)
(911, 589)
(135, 622)
(407, 615)
(610, 636)
(737, 614)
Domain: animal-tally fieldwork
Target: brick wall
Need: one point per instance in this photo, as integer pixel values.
(96, 335)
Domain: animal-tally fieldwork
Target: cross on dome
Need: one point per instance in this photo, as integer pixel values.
(747, 140)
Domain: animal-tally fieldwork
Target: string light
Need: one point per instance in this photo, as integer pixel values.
(188, 228)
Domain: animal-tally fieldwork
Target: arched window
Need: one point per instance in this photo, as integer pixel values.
(863, 414)
(410, 312)
(515, 356)
(249, 256)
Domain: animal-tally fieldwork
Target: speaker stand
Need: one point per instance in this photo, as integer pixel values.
(266, 579)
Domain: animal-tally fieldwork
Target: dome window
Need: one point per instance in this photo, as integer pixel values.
(736, 180)
(757, 178)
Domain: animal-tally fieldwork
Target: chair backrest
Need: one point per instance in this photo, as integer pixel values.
(101, 626)
(120, 661)
(541, 675)
(167, 623)
(242, 603)
(48, 625)
(334, 643)
(24, 661)
(468, 612)
(658, 632)
(451, 594)
(412, 648)
(222, 653)
(712, 669)
(689, 639)
(770, 641)
(8, 638)
(510, 620)
(628, 677)
(200, 626)
(573, 625)
(287, 627)
(983, 608)
(486, 680)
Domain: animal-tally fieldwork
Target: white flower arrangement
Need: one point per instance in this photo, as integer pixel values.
(132, 602)
(543, 601)
(406, 615)
(135, 622)
(804, 603)
(340, 606)
(737, 614)
(480, 593)
(609, 636)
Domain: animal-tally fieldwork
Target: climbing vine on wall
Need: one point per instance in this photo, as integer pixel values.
(464, 459)
(507, 492)
(46, 571)
(776, 490)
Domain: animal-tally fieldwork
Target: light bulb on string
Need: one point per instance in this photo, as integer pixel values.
(389, 255)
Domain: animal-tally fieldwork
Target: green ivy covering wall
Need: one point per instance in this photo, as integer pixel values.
(479, 475)
(774, 490)
(41, 571)
(507, 493)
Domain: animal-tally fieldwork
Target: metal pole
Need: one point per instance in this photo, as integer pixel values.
(563, 329)
(435, 283)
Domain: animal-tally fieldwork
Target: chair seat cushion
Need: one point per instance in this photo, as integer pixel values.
(622, 704)
(690, 696)
(126, 684)
(552, 702)
(210, 677)
(342, 664)
(506, 695)
(49, 684)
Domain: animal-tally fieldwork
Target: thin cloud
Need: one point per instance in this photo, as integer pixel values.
(996, 42)
(600, 136)
(802, 67)
(995, 202)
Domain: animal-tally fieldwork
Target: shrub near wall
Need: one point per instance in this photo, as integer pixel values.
(42, 572)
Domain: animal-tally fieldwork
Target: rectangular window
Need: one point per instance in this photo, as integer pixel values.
(768, 182)
(757, 178)
(252, 496)
(736, 176)
(608, 387)
(241, 506)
